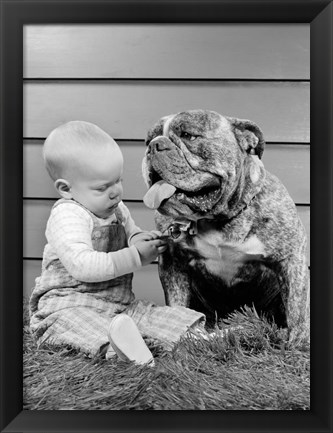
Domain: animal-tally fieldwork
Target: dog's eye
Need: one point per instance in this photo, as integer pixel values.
(188, 136)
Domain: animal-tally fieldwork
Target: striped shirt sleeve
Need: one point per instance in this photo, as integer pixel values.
(68, 232)
(130, 227)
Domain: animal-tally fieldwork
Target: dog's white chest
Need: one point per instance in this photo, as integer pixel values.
(223, 258)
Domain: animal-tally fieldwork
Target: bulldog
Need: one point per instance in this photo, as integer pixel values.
(234, 235)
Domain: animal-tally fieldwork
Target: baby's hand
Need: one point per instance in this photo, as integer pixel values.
(146, 236)
(149, 249)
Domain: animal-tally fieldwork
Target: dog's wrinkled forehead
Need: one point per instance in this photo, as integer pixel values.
(200, 122)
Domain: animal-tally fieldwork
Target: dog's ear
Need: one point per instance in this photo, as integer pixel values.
(249, 135)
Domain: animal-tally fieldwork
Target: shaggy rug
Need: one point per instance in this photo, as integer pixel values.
(251, 368)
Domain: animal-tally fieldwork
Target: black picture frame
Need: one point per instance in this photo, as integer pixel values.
(14, 14)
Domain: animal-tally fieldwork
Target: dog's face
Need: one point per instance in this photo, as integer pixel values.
(197, 162)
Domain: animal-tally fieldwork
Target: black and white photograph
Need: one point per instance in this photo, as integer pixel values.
(166, 177)
(166, 216)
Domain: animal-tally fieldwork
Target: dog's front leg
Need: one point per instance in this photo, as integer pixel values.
(175, 282)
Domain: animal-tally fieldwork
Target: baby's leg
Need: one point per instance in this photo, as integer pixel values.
(167, 325)
(82, 328)
(164, 324)
(91, 331)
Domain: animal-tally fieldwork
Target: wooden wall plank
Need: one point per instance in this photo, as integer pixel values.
(290, 163)
(304, 214)
(37, 183)
(36, 213)
(126, 110)
(167, 51)
(146, 282)
(31, 270)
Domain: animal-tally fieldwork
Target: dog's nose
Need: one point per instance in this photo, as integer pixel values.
(161, 143)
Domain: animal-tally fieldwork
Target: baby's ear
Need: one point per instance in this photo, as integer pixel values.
(64, 188)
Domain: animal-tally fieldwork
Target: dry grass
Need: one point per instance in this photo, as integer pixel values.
(251, 368)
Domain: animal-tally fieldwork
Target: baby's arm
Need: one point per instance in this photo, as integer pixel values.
(134, 233)
(69, 233)
(141, 239)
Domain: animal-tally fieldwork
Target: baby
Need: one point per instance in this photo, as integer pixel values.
(83, 298)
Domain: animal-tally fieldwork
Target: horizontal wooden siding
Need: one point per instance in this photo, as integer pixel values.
(124, 77)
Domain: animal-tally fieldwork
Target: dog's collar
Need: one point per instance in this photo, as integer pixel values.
(246, 205)
(179, 229)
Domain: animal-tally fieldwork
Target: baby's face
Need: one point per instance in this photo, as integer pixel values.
(97, 182)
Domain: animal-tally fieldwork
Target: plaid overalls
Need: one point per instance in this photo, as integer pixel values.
(68, 312)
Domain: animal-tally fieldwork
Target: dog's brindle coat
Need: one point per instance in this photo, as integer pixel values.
(247, 245)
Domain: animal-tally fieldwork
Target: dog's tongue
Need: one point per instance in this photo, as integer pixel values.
(160, 191)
